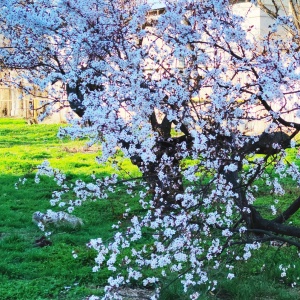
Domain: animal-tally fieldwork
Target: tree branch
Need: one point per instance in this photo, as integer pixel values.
(258, 222)
(292, 209)
(272, 237)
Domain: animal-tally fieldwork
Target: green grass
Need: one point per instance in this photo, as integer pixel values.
(31, 273)
(28, 272)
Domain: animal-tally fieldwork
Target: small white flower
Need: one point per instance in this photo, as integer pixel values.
(74, 254)
(70, 209)
(95, 268)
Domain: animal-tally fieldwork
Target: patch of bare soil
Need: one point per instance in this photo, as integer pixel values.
(84, 149)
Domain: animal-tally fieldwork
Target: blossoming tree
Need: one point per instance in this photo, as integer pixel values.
(176, 93)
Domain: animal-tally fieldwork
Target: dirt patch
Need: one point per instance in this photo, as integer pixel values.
(85, 149)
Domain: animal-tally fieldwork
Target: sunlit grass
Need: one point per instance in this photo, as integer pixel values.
(28, 272)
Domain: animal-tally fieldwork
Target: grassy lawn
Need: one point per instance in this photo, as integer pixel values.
(28, 272)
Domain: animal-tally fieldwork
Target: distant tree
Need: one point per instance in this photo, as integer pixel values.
(165, 89)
